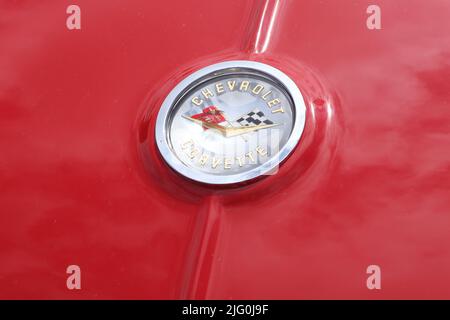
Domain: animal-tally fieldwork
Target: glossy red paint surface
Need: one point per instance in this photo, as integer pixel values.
(81, 181)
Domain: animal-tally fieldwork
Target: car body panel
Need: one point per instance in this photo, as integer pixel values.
(82, 182)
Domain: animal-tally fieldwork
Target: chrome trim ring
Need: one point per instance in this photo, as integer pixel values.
(215, 70)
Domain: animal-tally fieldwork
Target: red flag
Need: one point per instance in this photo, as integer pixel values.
(210, 114)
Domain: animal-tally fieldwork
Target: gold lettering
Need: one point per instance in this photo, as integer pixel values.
(241, 160)
(197, 101)
(244, 85)
(187, 144)
(203, 159)
(273, 102)
(215, 162)
(207, 93)
(250, 156)
(261, 151)
(231, 84)
(278, 110)
(227, 163)
(193, 153)
(264, 96)
(257, 89)
(219, 87)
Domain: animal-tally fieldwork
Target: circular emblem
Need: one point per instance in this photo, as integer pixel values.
(230, 122)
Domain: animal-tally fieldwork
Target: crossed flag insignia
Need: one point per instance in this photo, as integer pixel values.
(213, 115)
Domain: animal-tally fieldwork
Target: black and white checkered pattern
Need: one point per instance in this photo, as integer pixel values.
(253, 118)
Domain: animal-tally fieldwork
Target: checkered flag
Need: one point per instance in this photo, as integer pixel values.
(254, 118)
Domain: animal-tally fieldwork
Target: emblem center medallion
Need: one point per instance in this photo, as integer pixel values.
(230, 122)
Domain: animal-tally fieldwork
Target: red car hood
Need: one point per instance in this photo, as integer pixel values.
(82, 181)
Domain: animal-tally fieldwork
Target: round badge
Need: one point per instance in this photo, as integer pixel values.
(230, 122)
